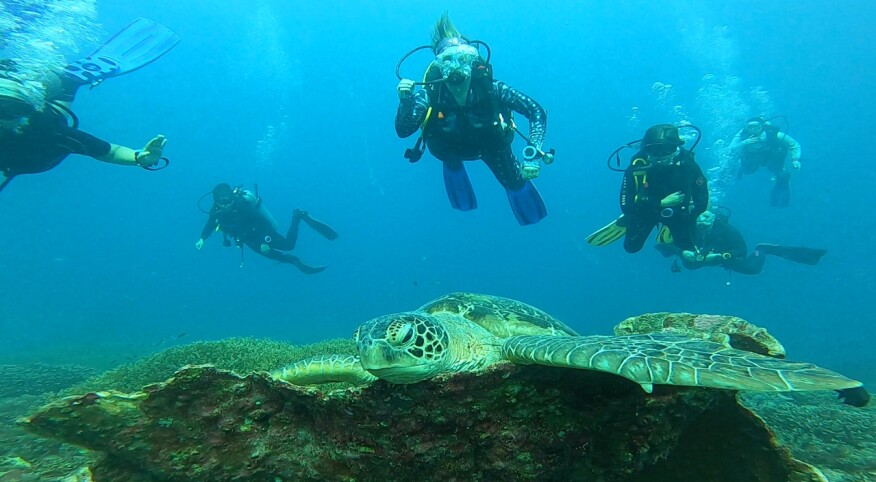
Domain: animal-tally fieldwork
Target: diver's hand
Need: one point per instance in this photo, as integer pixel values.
(796, 165)
(530, 169)
(404, 89)
(151, 153)
(714, 257)
(689, 256)
(199, 244)
(750, 141)
(264, 248)
(672, 200)
(548, 158)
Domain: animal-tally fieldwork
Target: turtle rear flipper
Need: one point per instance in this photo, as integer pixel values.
(325, 369)
(673, 360)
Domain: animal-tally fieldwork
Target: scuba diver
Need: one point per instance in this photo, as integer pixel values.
(244, 220)
(662, 185)
(37, 135)
(464, 114)
(717, 243)
(762, 144)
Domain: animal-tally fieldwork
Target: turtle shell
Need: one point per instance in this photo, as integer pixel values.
(503, 317)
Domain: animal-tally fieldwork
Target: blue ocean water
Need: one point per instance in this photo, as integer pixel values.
(299, 97)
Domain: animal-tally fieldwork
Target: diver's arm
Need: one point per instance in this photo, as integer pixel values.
(699, 189)
(522, 103)
(411, 112)
(794, 150)
(146, 157)
(210, 226)
(119, 155)
(737, 145)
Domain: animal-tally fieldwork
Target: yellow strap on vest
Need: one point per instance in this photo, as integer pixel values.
(640, 179)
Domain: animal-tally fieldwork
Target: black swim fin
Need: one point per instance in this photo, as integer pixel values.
(142, 42)
(320, 227)
(306, 269)
(780, 196)
(810, 256)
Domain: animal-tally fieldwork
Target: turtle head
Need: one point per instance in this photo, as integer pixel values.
(403, 347)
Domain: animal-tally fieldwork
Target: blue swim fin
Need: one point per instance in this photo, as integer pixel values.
(527, 204)
(137, 45)
(459, 190)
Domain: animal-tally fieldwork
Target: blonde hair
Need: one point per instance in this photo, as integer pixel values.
(444, 29)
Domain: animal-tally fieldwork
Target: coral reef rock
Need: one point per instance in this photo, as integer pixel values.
(510, 423)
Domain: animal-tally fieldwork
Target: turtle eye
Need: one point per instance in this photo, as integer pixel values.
(408, 337)
(400, 333)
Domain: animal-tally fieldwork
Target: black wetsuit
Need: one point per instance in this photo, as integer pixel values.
(724, 239)
(457, 133)
(644, 186)
(43, 143)
(246, 222)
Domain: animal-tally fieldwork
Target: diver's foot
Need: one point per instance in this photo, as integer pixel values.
(300, 213)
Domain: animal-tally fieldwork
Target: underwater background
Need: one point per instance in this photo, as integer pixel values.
(299, 97)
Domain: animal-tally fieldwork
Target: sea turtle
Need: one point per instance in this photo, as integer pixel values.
(465, 332)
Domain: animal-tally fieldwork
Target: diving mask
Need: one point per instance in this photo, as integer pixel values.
(456, 63)
(662, 153)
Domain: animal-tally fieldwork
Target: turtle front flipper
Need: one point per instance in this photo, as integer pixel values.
(325, 369)
(657, 359)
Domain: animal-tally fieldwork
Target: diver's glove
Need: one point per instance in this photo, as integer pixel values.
(405, 88)
(672, 200)
(199, 244)
(151, 153)
(530, 169)
(796, 165)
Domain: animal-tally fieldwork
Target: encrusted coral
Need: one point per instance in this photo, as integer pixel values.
(242, 355)
(37, 378)
(508, 423)
(838, 438)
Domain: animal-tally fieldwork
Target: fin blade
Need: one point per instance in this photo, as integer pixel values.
(608, 233)
(140, 43)
(527, 204)
(459, 189)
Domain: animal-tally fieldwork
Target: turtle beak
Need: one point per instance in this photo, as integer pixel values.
(392, 365)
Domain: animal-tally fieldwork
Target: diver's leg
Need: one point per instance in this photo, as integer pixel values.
(320, 227)
(293, 260)
(288, 242)
(638, 230)
(682, 232)
(751, 264)
(504, 166)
